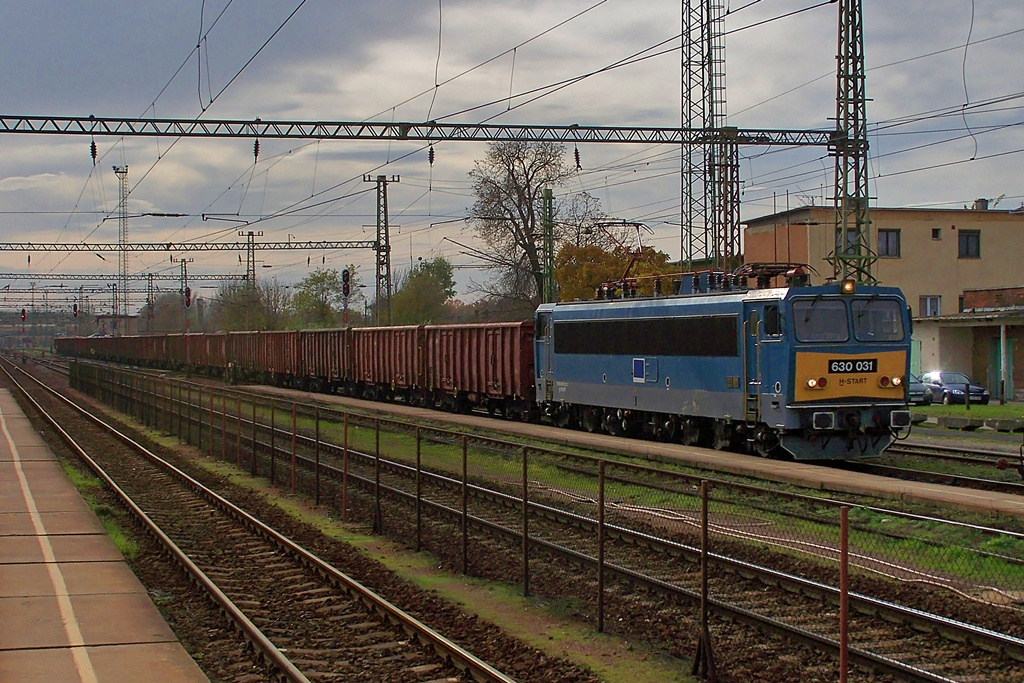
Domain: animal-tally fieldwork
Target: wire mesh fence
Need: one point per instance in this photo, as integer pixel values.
(434, 488)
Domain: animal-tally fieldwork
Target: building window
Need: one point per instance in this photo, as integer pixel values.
(930, 306)
(970, 244)
(889, 243)
(936, 233)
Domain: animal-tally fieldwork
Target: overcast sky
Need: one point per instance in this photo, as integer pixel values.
(351, 61)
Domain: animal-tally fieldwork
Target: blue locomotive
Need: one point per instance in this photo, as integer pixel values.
(817, 372)
(814, 371)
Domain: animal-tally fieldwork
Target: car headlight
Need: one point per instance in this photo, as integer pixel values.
(956, 392)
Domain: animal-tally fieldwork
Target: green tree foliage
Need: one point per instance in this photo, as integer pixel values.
(318, 299)
(423, 293)
(508, 185)
(580, 270)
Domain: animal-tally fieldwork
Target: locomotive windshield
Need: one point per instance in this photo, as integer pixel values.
(877, 319)
(820, 320)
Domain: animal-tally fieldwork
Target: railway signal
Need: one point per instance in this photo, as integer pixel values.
(188, 297)
(74, 310)
(23, 312)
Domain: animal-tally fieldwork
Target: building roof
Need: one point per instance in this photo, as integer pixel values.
(782, 215)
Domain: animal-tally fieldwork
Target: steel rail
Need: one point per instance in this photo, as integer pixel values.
(277, 660)
(459, 657)
(944, 478)
(983, 638)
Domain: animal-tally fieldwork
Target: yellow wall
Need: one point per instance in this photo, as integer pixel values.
(926, 266)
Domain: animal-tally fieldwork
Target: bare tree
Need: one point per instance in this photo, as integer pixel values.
(241, 307)
(508, 184)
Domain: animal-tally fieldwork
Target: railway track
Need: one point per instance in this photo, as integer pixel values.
(905, 643)
(304, 618)
(975, 468)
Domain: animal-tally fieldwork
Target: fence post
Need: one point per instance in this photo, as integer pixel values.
(224, 426)
(844, 588)
(419, 493)
(238, 431)
(180, 411)
(600, 546)
(212, 394)
(344, 470)
(254, 468)
(199, 415)
(294, 430)
(377, 526)
(465, 507)
(316, 419)
(526, 528)
(704, 662)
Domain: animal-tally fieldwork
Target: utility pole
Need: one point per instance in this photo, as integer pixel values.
(383, 247)
(548, 223)
(250, 255)
(122, 237)
(150, 303)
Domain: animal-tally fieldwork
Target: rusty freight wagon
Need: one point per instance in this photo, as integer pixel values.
(388, 362)
(326, 360)
(488, 365)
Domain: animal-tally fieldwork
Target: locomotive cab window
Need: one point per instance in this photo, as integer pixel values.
(772, 321)
(820, 320)
(876, 319)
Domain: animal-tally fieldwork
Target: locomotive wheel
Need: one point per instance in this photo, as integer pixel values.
(723, 435)
(588, 420)
(612, 423)
(669, 428)
(690, 432)
(563, 416)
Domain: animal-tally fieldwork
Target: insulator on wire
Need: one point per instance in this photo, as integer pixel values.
(256, 150)
(576, 151)
(430, 155)
(92, 151)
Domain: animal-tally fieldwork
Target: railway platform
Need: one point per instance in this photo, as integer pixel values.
(70, 608)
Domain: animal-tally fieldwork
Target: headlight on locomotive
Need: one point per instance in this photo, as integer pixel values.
(817, 383)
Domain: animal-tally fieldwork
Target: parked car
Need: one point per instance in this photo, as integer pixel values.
(948, 387)
(918, 393)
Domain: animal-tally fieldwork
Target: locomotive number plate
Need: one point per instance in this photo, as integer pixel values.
(847, 366)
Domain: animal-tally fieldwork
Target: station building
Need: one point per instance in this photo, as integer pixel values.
(961, 270)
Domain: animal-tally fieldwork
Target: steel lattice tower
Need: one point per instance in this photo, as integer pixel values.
(853, 257)
(122, 239)
(710, 172)
(383, 293)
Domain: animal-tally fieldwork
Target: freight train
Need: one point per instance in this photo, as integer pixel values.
(812, 372)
